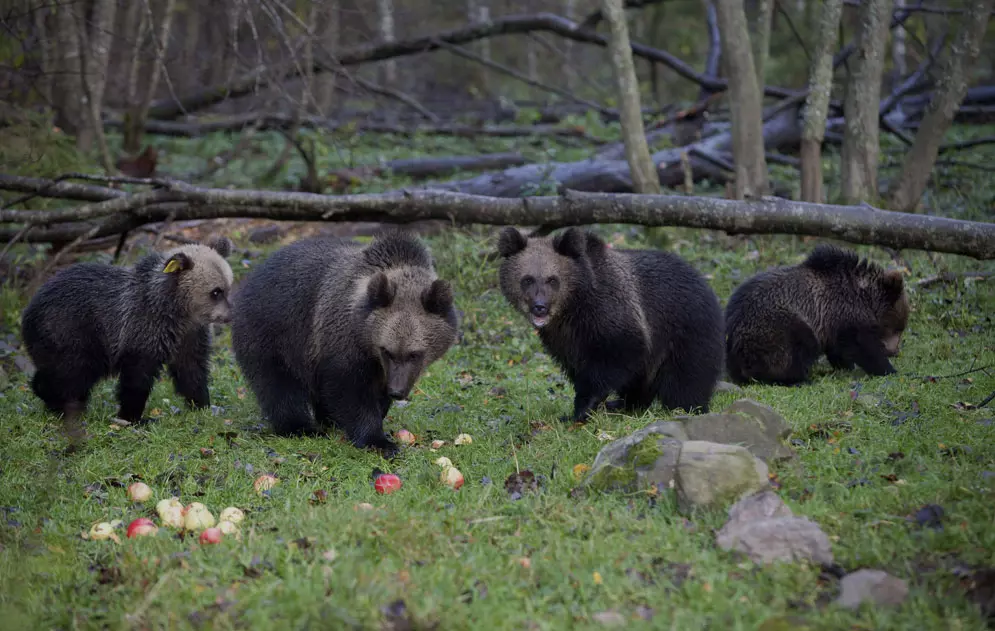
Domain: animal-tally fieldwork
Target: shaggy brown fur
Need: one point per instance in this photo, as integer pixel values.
(780, 322)
(92, 321)
(641, 323)
(328, 332)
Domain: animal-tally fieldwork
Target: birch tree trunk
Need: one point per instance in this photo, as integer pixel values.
(637, 154)
(761, 38)
(746, 101)
(385, 8)
(817, 105)
(135, 131)
(950, 90)
(861, 145)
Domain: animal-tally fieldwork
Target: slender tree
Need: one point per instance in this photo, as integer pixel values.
(637, 154)
(746, 100)
(861, 146)
(950, 91)
(761, 37)
(817, 105)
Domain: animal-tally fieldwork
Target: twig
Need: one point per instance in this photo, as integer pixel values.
(987, 400)
(949, 277)
(388, 92)
(36, 283)
(23, 231)
(911, 82)
(165, 226)
(794, 31)
(967, 144)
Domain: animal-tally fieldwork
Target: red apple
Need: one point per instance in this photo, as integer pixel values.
(211, 536)
(387, 483)
(405, 437)
(141, 527)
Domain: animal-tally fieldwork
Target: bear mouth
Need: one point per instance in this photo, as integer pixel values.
(539, 321)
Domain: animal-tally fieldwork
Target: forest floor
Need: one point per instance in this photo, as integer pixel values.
(872, 453)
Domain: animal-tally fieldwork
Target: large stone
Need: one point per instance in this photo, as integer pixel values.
(777, 539)
(710, 474)
(871, 586)
(647, 458)
(747, 423)
(763, 505)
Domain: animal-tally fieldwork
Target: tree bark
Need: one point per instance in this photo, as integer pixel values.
(761, 37)
(855, 224)
(71, 107)
(745, 95)
(46, 45)
(861, 146)
(951, 88)
(570, 12)
(817, 106)
(327, 28)
(134, 132)
(385, 9)
(98, 50)
(898, 46)
(637, 153)
(191, 44)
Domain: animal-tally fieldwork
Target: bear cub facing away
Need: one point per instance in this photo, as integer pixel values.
(92, 320)
(779, 322)
(328, 332)
(641, 323)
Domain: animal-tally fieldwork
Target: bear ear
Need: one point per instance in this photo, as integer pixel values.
(380, 291)
(438, 298)
(221, 245)
(511, 242)
(572, 243)
(177, 263)
(892, 284)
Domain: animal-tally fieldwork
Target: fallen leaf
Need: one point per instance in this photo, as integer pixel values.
(597, 578)
(579, 470)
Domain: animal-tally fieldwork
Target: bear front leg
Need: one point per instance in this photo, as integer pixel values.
(863, 347)
(138, 373)
(190, 368)
(357, 402)
(590, 389)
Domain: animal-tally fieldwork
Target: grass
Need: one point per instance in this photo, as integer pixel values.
(872, 452)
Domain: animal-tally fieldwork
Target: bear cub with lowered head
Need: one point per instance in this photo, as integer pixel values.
(328, 332)
(641, 323)
(91, 321)
(779, 322)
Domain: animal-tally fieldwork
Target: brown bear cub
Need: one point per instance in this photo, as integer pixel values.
(328, 332)
(91, 321)
(779, 322)
(641, 323)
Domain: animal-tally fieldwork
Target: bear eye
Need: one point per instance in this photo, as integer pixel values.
(386, 353)
(217, 293)
(414, 357)
(527, 282)
(553, 282)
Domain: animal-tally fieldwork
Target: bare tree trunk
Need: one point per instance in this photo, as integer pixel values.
(191, 42)
(160, 39)
(861, 146)
(328, 39)
(71, 103)
(569, 12)
(898, 46)
(951, 88)
(746, 100)
(478, 11)
(308, 99)
(46, 44)
(135, 25)
(637, 153)
(761, 38)
(385, 9)
(817, 107)
(98, 50)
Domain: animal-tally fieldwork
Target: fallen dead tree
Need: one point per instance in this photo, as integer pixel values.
(435, 166)
(180, 201)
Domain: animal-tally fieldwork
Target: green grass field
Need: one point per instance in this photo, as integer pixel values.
(872, 452)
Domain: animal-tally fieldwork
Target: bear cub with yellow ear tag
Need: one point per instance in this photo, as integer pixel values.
(328, 331)
(641, 323)
(91, 321)
(779, 322)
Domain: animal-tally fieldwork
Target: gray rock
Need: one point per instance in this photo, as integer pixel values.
(777, 539)
(24, 365)
(641, 460)
(764, 505)
(725, 386)
(710, 474)
(871, 586)
(265, 234)
(752, 425)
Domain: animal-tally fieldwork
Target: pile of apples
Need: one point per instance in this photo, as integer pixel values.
(173, 514)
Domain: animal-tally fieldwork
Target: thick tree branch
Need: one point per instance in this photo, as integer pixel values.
(855, 224)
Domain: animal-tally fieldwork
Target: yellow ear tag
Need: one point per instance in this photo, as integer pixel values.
(171, 267)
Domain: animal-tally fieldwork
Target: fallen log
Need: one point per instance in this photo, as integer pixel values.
(854, 224)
